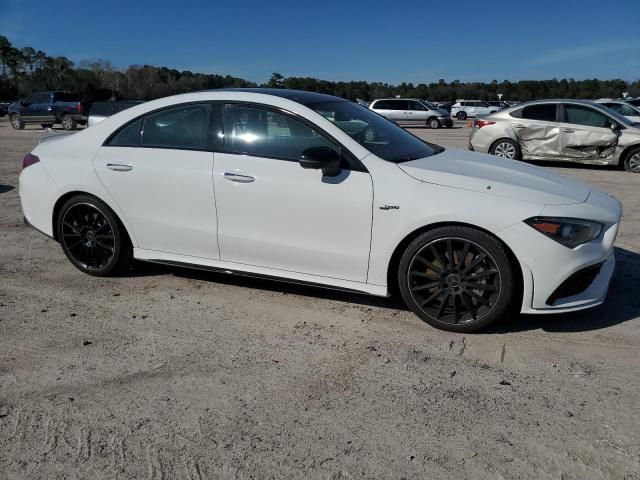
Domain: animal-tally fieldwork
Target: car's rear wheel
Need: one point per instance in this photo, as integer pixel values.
(433, 123)
(632, 161)
(16, 121)
(68, 122)
(457, 278)
(462, 115)
(506, 148)
(92, 237)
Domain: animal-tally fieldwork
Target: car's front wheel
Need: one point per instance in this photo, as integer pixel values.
(632, 161)
(433, 123)
(92, 237)
(457, 278)
(16, 122)
(506, 148)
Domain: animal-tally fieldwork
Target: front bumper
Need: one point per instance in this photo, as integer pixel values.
(560, 279)
(446, 121)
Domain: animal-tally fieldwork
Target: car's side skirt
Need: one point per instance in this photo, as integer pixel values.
(232, 268)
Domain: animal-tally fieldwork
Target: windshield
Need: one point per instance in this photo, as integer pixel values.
(619, 117)
(380, 136)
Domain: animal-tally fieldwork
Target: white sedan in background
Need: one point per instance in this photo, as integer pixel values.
(268, 183)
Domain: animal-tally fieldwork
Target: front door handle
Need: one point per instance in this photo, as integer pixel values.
(236, 177)
(119, 167)
(568, 130)
(519, 126)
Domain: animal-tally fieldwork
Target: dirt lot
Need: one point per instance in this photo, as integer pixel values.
(170, 373)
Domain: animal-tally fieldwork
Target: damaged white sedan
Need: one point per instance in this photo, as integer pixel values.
(310, 188)
(564, 130)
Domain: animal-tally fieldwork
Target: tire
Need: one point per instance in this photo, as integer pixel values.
(68, 122)
(46, 125)
(632, 161)
(16, 122)
(433, 123)
(506, 148)
(461, 115)
(92, 237)
(457, 279)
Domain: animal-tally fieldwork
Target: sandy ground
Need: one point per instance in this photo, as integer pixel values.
(174, 374)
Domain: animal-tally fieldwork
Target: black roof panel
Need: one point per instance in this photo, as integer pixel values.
(300, 96)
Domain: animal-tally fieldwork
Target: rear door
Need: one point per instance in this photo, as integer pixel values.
(158, 169)
(586, 134)
(398, 111)
(537, 130)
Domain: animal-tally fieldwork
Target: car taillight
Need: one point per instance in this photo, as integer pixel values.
(28, 160)
(482, 123)
(79, 107)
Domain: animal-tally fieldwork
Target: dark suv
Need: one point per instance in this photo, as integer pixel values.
(47, 108)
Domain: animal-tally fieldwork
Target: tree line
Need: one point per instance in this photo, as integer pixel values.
(27, 70)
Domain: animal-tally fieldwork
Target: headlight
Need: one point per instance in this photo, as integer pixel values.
(570, 232)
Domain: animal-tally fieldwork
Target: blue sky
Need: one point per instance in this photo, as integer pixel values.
(390, 41)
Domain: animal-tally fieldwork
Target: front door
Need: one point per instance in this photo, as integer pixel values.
(586, 135)
(158, 170)
(417, 113)
(273, 213)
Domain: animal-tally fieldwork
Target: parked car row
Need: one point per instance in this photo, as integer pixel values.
(49, 108)
(412, 112)
(65, 108)
(566, 130)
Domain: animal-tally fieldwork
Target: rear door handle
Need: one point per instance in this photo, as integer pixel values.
(236, 177)
(568, 130)
(119, 167)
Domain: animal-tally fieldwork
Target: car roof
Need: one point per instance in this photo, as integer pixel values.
(299, 96)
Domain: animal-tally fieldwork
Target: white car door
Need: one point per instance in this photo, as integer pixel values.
(586, 135)
(162, 181)
(273, 213)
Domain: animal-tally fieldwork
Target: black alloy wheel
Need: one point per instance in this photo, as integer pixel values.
(456, 278)
(91, 236)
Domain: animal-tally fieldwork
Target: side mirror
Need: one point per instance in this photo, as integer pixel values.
(24, 103)
(321, 158)
(614, 126)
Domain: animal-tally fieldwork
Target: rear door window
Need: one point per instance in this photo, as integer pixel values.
(129, 136)
(102, 109)
(545, 112)
(67, 97)
(182, 127)
(581, 115)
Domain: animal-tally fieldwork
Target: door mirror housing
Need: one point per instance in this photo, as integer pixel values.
(321, 158)
(614, 126)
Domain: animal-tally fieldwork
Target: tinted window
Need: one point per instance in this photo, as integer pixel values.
(378, 135)
(129, 136)
(266, 133)
(181, 127)
(545, 112)
(580, 115)
(381, 105)
(102, 109)
(398, 105)
(622, 109)
(416, 106)
(66, 97)
(40, 98)
(482, 104)
(120, 106)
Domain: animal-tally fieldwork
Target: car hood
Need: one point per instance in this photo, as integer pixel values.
(442, 113)
(496, 176)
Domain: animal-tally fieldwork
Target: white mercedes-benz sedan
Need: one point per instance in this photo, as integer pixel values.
(310, 188)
